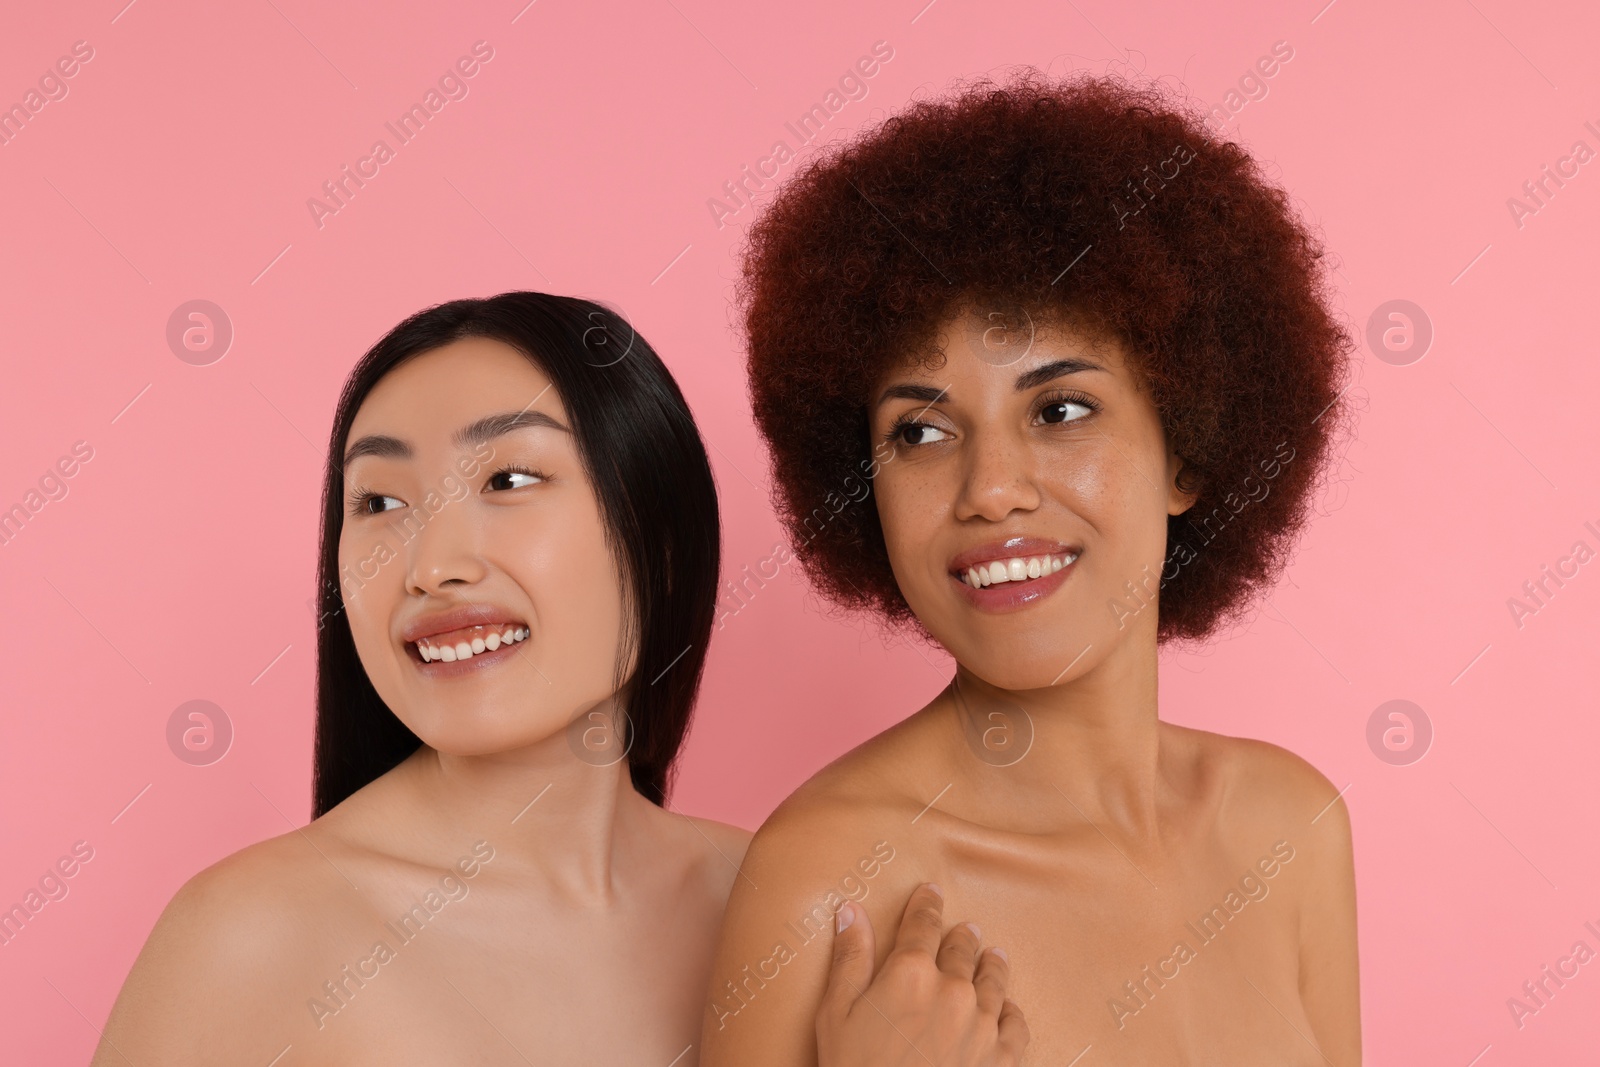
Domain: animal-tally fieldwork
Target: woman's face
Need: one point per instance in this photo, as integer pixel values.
(1030, 484)
(485, 603)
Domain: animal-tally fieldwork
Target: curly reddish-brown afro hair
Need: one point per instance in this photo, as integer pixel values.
(1176, 243)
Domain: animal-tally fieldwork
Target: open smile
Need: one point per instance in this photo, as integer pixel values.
(1013, 574)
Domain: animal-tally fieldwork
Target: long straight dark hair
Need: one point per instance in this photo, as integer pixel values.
(648, 466)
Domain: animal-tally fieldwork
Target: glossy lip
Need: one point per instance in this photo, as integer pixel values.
(1012, 596)
(454, 619)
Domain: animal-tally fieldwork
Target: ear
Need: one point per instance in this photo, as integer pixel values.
(1179, 475)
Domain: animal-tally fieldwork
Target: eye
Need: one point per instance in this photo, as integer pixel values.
(507, 473)
(1058, 409)
(361, 501)
(909, 433)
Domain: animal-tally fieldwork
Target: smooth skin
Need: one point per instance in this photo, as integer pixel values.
(587, 936)
(1093, 839)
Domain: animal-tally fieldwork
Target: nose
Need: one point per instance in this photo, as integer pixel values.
(442, 548)
(998, 478)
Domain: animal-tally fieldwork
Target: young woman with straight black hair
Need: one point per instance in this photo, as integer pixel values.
(518, 568)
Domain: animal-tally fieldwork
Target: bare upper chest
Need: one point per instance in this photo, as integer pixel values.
(1187, 957)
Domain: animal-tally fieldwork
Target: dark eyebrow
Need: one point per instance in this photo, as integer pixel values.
(485, 429)
(1049, 372)
(906, 391)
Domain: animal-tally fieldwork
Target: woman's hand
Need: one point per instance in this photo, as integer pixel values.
(934, 1001)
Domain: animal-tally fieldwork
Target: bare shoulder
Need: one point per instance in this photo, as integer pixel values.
(233, 936)
(838, 837)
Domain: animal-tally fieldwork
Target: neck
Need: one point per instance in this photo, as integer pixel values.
(1091, 744)
(552, 818)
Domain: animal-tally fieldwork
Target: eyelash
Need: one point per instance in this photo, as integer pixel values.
(361, 496)
(1066, 396)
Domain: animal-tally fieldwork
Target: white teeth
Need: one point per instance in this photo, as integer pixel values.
(1017, 569)
(479, 644)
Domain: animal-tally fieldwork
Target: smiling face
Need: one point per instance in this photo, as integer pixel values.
(485, 603)
(1030, 481)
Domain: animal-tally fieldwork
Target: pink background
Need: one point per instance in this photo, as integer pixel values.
(180, 562)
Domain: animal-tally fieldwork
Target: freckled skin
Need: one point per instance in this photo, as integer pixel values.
(586, 937)
(1040, 789)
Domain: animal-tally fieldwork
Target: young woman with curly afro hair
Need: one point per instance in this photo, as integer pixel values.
(1050, 375)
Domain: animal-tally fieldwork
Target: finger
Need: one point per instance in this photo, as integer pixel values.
(1014, 1035)
(851, 971)
(923, 921)
(958, 953)
(994, 975)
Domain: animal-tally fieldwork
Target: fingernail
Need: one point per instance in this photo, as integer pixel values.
(1001, 953)
(844, 917)
(977, 933)
(935, 887)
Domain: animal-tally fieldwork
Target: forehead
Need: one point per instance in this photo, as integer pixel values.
(999, 346)
(445, 387)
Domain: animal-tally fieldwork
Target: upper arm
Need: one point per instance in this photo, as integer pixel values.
(773, 958)
(1329, 979)
(212, 982)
